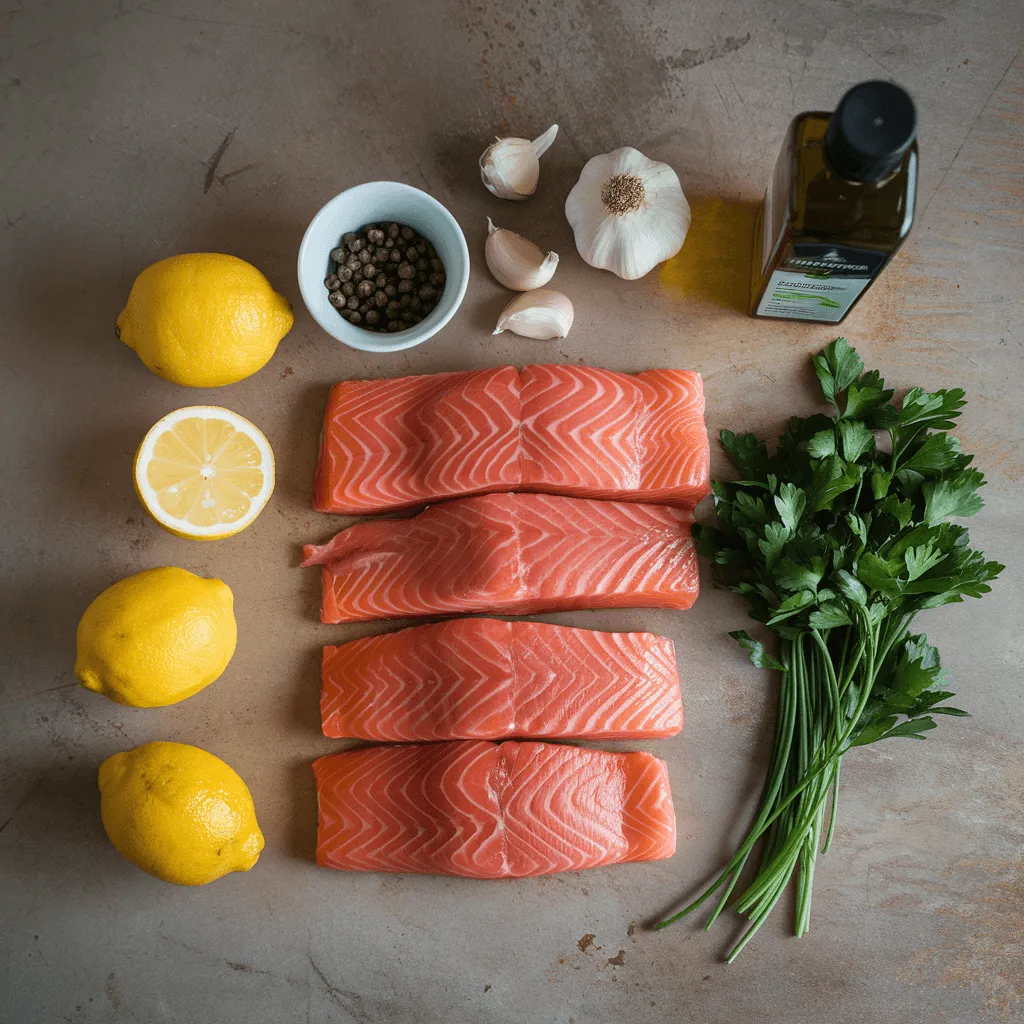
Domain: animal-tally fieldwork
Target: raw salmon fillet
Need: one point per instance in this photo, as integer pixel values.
(519, 553)
(490, 810)
(488, 679)
(577, 430)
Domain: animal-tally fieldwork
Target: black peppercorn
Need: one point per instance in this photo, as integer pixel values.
(387, 277)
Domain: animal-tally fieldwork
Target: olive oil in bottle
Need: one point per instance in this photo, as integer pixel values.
(839, 205)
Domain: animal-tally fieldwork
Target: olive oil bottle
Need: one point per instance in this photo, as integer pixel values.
(839, 205)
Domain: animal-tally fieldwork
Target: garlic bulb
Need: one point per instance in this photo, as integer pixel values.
(628, 213)
(510, 168)
(515, 261)
(542, 313)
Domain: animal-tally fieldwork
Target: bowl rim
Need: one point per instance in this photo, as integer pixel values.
(368, 341)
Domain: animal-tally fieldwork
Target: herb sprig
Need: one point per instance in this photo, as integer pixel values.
(837, 541)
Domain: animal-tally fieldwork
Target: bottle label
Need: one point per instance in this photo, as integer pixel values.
(819, 282)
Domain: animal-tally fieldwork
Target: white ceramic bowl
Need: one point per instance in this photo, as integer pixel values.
(364, 204)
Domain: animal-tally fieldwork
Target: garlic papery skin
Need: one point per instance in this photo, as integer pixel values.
(510, 168)
(542, 314)
(515, 261)
(628, 213)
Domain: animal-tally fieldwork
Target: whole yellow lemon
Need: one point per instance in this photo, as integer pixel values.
(204, 319)
(157, 637)
(179, 813)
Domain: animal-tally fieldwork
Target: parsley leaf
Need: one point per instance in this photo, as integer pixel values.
(944, 499)
(791, 606)
(822, 445)
(912, 727)
(790, 575)
(851, 588)
(828, 616)
(758, 655)
(837, 368)
(790, 503)
(920, 559)
(936, 453)
(775, 537)
(937, 409)
(869, 397)
(878, 574)
(857, 439)
(746, 453)
(830, 479)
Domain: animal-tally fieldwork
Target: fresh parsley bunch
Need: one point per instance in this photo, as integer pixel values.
(837, 541)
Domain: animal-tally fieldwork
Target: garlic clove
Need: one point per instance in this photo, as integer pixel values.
(542, 314)
(510, 168)
(515, 261)
(628, 213)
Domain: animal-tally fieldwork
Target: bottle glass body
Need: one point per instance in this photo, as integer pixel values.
(820, 239)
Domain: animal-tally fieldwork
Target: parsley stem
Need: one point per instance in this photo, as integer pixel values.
(835, 805)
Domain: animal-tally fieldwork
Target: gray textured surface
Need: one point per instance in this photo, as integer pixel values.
(110, 113)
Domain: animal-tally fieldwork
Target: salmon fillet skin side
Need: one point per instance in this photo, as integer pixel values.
(491, 810)
(509, 553)
(394, 444)
(493, 679)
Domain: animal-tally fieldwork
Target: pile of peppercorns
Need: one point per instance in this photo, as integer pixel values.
(386, 277)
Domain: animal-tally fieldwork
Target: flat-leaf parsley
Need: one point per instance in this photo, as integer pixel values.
(837, 541)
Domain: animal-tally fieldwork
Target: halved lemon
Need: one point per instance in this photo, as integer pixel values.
(204, 472)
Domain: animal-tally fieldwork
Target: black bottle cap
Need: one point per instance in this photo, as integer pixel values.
(870, 131)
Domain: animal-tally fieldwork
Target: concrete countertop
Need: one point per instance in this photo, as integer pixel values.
(132, 131)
